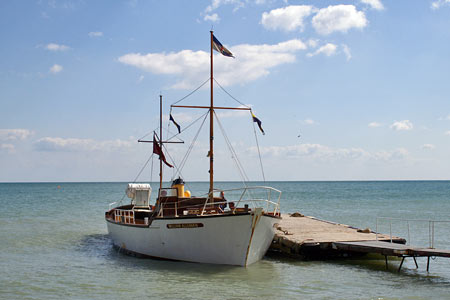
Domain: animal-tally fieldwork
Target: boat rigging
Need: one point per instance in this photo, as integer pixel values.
(210, 229)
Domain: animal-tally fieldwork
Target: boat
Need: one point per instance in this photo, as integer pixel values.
(230, 227)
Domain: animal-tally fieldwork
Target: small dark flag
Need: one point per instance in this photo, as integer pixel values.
(157, 150)
(258, 121)
(220, 48)
(176, 124)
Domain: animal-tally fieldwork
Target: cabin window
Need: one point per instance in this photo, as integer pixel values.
(168, 192)
(142, 197)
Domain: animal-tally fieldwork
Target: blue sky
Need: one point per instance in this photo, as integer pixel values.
(364, 83)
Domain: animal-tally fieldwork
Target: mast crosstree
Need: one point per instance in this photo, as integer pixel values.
(160, 142)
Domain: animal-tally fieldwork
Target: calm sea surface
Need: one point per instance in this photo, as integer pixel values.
(53, 245)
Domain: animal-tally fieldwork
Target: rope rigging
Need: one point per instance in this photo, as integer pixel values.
(259, 152)
(142, 169)
(139, 174)
(231, 96)
(177, 171)
(191, 92)
(233, 153)
(185, 128)
(191, 146)
(147, 134)
(173, 161)
(234, 156)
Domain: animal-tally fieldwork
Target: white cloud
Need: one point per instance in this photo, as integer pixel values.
(338, 18)
(447, 132)
(212, 18)
(56, 144)
(374, 125)
(312, 43)
(444, 118)
(428, 146)
(217, 3)
(402, 125)
(324, 153)
(56, 47)
(95, 34)
(56, 69)
(14, 134)
(288, 18)
(316, 151)
(7, 148)
(310, 122)
(140, 79)
(346, 50)
(439, 3)
(252, 62)
(393, 155)
(328, 50)
(374, 4)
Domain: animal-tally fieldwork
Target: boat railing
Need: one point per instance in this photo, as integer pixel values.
(234, 200)
(431, 227)
(248, 195)
(125, 216)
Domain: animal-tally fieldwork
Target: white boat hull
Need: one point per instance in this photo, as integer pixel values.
(239, 239)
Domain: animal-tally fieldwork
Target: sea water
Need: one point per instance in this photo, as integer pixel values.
(54, 245)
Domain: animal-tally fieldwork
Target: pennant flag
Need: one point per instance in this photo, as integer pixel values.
(157, 150)
(258, 121)
(176, 124)
(220, 48)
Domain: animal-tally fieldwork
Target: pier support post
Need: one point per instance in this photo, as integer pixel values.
(401, 264)
(386, 259)
(415, 261)
(428, 264)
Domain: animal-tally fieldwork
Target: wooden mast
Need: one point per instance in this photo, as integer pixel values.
(211, 131)
(160, 142)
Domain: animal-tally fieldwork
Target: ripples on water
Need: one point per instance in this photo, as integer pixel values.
(54, 245)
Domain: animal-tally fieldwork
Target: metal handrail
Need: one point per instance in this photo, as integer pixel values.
(430, 227)
(244, 190)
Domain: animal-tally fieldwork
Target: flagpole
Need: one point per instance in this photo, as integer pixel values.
(160, 143)
(211, 131)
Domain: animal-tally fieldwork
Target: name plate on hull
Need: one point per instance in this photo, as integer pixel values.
(184, 225)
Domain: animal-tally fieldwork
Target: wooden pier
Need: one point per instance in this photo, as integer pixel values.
(306, 237)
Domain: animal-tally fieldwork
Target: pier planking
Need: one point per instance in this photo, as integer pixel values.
(307, 237)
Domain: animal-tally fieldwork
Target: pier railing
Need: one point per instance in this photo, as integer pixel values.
(431, 227)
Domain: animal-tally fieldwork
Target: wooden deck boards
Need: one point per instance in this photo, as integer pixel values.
(312, 230)
(308, 237)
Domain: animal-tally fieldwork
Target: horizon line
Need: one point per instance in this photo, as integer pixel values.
(234, 181)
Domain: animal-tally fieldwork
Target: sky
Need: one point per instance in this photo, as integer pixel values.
(345, 90)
